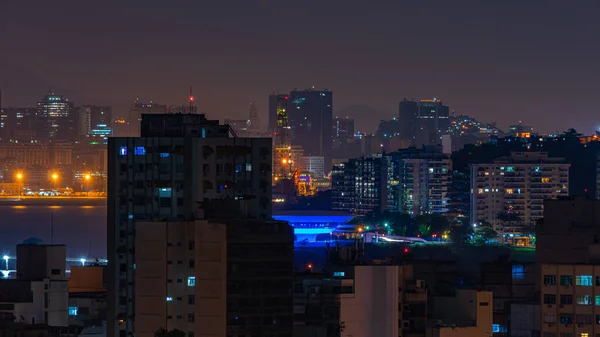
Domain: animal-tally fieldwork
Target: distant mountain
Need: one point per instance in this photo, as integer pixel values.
(366, 119)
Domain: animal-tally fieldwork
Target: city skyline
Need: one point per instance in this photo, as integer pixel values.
(540, 64)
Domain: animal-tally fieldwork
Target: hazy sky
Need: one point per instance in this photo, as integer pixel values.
(509, 60)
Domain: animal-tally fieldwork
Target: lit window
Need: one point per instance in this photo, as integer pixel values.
(139, 151)
(583, 300)
(545, 180)
(191, 281)
(518, 272)
(165, 155)
(169, 299)
(73, 311)
(123, 151)
(584, 334)
(509, 191)
(338, 274)
(583, 280)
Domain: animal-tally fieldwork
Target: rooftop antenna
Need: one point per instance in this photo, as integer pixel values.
(191, 100)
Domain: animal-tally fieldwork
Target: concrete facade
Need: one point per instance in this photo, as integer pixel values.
(40, 292)
(468, 314)
(180, 162)
(209, 278)
(517, 185)
(570, 299)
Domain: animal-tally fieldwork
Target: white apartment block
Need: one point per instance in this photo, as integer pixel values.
(518, 185)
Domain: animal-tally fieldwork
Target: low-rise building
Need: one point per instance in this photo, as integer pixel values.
(39, 294)
(468, 314)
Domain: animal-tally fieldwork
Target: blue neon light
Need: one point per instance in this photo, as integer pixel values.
(294, 219)
(139, 151)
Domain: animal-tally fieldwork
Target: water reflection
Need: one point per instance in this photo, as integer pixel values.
(81, 228)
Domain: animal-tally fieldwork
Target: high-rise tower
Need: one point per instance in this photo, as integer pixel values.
(310, 120)
(58, 117)
(253, 119)
(180, 161)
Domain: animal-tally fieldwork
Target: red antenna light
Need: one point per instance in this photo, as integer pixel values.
(191, 98)
(405, 249)
(285, 97)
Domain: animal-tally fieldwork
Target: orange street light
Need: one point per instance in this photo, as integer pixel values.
(19, 176)
(54, 176)
(88, 177)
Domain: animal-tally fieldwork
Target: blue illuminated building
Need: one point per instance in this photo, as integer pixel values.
(313, 226)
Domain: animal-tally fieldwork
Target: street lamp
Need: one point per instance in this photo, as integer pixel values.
(87, 177)
(5, 257)
(19, 177)
(54, 179)
(82, 262)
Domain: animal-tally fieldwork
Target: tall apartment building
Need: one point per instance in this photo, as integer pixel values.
(179, 162)
(360, 186)
(215, 278)
(568, 251)
(410, 181)
(418, 181)
(342, 187)
(517, 185)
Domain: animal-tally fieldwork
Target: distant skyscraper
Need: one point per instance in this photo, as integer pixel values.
(238, 125)
(135, 115)
(407, 115)
(342, 130)
(27, 126)
(253, 119)
(95, 122)
(310, 115)
(58, 116)
(423, 121)
(179, 162)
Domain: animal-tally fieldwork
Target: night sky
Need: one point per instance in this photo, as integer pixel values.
(509, 60)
